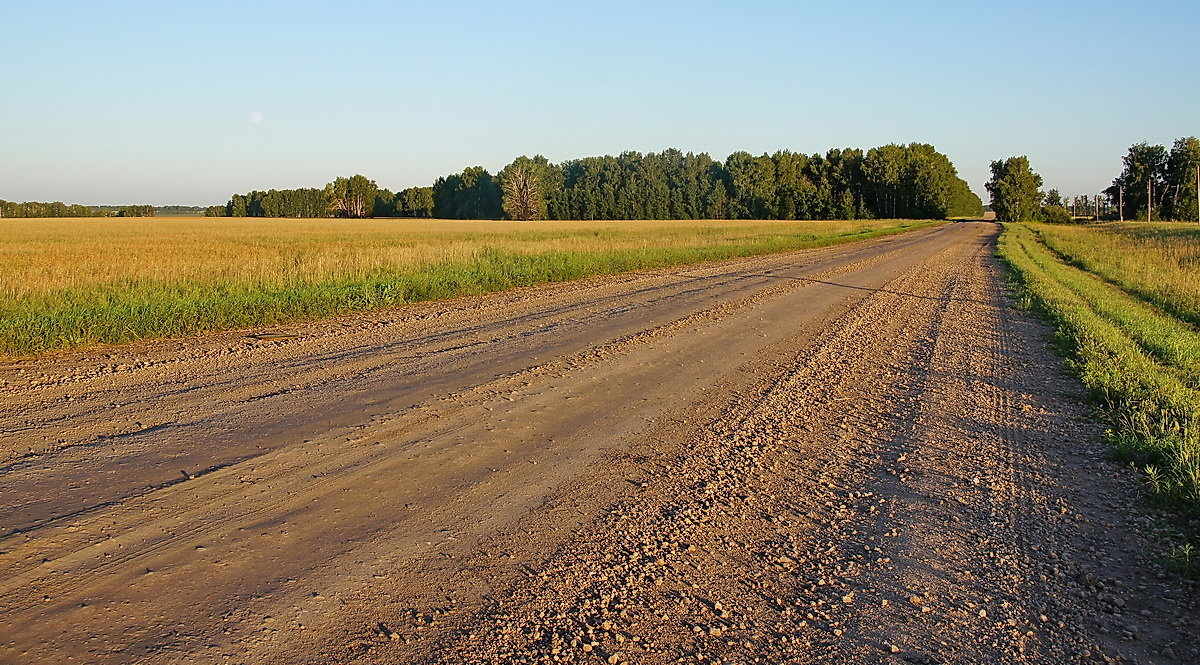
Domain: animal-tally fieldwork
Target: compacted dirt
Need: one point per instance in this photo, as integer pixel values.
(858, 454)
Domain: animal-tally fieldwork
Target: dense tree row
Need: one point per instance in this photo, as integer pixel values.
(55, 209)
(898, 181)
(414, 202)
(179, 210)
(472, 194)
(137, 211)
(1158, 181)
(912, 181)
(59, 209)
(353, 197)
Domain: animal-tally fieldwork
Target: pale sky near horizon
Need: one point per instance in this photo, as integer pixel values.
(187, 103)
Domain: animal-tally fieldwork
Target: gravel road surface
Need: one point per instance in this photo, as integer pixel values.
(858, 454)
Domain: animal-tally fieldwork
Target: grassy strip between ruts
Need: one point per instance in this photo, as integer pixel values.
(1138, 360)
(72, 283)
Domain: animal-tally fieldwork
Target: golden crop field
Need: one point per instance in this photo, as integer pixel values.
(66, 283)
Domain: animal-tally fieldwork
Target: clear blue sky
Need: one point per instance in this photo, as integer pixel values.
(123, 102)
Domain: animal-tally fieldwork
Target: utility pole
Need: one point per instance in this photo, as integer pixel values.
(1149, 196)
(1198, 192)
(1121, 203)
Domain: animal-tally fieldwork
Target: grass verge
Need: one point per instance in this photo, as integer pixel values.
(66, 284)
(1139, 360)
(1158, 262)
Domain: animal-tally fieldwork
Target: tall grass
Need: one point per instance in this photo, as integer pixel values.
(1130, 343)
(1158, 262)
(67, 283)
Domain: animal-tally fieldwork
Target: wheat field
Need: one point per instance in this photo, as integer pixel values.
(69, 283)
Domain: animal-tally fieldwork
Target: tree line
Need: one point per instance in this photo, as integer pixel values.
(893, 181)
(1016, 194)
(354, 197)
(1158, 181)
(1155, 184)
(60, 209)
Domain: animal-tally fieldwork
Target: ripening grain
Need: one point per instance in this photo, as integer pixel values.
(66, 283)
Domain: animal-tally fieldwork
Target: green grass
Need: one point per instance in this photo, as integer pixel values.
(66, 284)
(1159, 262)
(1132, 341)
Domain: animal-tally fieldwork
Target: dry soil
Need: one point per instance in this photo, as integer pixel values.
(859, 454)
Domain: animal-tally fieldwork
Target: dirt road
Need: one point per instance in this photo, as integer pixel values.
(850, 455)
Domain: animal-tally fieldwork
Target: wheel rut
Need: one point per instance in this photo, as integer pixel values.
(858, 454)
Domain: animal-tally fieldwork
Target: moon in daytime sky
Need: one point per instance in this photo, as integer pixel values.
(256, 116)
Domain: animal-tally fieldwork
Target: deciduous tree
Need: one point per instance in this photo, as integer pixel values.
(527, 185)
(1015, 190)
(523, 199)
(1142, 183)
(415, 202)
(1181, 179)
(472, 194)
(352, 197)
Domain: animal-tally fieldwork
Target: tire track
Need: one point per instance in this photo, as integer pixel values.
(197, 542)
